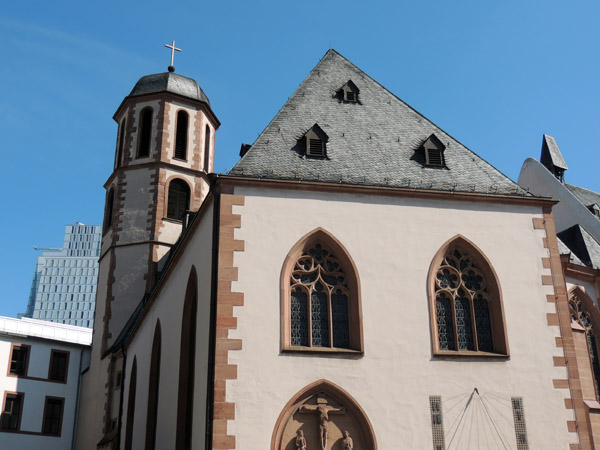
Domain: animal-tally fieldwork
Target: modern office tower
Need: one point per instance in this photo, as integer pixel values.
(64, 283)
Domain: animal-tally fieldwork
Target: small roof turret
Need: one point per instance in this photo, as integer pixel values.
(552, 158)
(169, 82)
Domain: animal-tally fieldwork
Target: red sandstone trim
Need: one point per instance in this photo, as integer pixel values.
(225, 411)
(563, 317)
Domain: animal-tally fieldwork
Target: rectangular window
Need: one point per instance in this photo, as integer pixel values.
(59, 363)
(19, 360)
(11, 414)
(53, 411)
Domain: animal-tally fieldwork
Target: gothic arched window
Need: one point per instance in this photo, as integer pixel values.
(187, 365)
(153, 388)
(321, 298)
(108, 209)
(145, 136)
(580, 314)
(207, 149)
(466, 303)
(178, 201)
(131, 406)
(181, 135)
(121, 143)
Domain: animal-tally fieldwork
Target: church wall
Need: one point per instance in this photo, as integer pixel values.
(91, 404)
(392, 242)
(136, 206)
(168, 307)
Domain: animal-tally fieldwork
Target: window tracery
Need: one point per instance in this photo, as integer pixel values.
(320, 295)
(582, 317)
(318, 280)
(466, 303)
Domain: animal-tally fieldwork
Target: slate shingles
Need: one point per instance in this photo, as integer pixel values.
(582, 245)
(585, 196)
(372, 142)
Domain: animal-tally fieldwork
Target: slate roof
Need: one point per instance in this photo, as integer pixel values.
(564, 250)
(551, 154)
(169, 82)
(375, 141)
(585, 196)
(582, 245)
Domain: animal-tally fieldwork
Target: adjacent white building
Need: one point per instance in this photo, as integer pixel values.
(40, 367)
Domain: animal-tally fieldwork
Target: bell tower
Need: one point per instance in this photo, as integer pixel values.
(164, 151)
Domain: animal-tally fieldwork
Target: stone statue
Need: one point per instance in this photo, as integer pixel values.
(300, 441)
(347, 443)
(323, 410)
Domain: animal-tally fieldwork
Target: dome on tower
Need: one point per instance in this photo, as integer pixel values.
(169, 82)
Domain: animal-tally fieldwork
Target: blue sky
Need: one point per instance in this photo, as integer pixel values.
(495, 75)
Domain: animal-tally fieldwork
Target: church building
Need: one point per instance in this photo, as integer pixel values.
(360, 280)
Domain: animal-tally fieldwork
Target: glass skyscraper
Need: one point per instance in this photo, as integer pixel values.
(65, 279)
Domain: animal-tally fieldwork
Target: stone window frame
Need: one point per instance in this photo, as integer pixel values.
(355, 327)
(120, 143)
(207, 146)
(590, 310)
(109, 210)
(496, 304)
(142, 122)
(186, 133)
(167, 198)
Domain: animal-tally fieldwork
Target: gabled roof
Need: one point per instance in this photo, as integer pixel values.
(585, 196)
(551, 155)
(582, 245)
(370, 143)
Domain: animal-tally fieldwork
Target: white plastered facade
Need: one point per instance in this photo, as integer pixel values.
(392, 241)
(35, 385)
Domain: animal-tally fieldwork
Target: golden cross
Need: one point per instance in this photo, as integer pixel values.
(173, 50)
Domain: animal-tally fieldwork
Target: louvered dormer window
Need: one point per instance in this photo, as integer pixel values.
(315, 140)
(434, 152)
(349, 92)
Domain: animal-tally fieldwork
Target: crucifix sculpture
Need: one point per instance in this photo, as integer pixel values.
(323, 410)
(173, 50)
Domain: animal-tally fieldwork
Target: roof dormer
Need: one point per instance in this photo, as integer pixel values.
(315, 140)
(348, 92)
(434, 152)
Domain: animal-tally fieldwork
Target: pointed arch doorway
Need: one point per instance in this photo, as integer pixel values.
(323, 415)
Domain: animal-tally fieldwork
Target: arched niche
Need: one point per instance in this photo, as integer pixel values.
(458, 308)
(344, 413)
